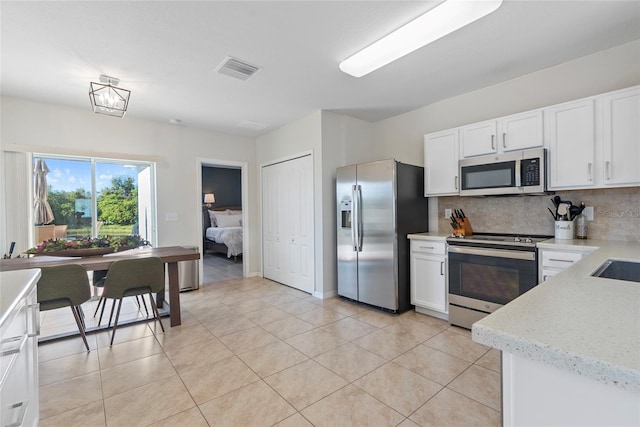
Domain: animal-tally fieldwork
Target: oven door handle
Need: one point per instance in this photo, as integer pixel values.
(499, 253)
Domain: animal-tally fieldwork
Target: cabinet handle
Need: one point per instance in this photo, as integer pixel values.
(442, 268)
(19, 420)
(35, 318)
(11, 351)
(456, 182)
(426, 247)
(589, 171)
(561, 260)
(504, 140)
(607, 166)
(493, 142)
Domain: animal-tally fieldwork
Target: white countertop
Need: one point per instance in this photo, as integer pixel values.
(576, 244)
(583, 324)
(429, 236)
(15, 285)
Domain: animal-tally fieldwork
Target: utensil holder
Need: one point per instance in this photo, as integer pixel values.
(564, 230)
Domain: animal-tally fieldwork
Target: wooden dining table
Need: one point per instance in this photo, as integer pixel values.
(169, 255)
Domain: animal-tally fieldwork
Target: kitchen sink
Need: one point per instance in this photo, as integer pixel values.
(619, 270)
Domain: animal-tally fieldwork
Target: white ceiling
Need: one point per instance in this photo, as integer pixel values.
(166, 52)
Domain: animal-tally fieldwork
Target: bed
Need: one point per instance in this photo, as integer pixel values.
(222, 230)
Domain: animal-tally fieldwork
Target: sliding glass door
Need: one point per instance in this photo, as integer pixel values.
(97, 197)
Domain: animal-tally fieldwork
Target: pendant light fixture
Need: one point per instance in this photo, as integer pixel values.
(107, 98)
(443, 19)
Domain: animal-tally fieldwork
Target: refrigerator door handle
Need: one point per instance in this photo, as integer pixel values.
(359, 218)
(354, 218)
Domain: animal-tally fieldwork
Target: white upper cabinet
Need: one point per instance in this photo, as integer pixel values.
(592, 143)
(521, 131)
(441, 163)
(479, 139)
(621, 138)
(515, 132)
(572, 139)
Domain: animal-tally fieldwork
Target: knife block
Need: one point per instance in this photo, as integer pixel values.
(466, 227)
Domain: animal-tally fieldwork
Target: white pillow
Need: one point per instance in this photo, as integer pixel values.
(212, 218)
(229, 220)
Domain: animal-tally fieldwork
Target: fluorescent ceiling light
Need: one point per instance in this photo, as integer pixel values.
(436, 23)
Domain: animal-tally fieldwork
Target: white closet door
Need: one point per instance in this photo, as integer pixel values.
(288, 223)
(300, 224)
(271, 230)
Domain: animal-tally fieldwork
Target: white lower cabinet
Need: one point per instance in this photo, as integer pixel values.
(553, 261)
(19, 405)
(429, 291)
(537, 394)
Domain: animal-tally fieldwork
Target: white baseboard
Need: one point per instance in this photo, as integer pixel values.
(432, 313)
(325, 295)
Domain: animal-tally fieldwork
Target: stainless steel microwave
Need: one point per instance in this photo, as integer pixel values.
(516, 172)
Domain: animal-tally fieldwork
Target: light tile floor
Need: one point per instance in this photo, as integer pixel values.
(217, 267)
(251, 352)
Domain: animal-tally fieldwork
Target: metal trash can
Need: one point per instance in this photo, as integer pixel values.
(188, 273)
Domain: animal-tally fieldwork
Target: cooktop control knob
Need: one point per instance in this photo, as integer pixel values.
(517, 239)
(528, 240)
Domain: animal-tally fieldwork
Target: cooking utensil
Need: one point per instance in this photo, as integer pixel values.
(13, 245)
(556, 201)
(574, 211)
(552, 214)
(563, 211)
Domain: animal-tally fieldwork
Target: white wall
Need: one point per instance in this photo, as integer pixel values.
(332, 138)
(342, 137)
(401, 136)
(300, 136)
(55, 129)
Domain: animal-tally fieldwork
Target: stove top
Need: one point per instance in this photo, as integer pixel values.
(499, 239)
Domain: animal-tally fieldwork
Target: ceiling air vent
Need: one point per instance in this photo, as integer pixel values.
(248, 124)
(236, 68)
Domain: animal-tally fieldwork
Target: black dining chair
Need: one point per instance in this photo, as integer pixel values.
(65, 286)
(133, 277)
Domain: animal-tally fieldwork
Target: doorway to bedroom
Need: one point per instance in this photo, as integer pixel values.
(222, 246)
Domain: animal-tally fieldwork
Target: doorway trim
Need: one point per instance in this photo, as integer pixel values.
(244, 177)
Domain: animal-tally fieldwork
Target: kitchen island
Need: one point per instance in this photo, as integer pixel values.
(571, 345)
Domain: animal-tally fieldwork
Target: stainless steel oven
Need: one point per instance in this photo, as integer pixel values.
(488, 271)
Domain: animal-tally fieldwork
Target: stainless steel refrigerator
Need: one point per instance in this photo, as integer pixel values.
(378, 204)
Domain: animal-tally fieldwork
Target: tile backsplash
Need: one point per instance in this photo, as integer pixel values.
(616, 213)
